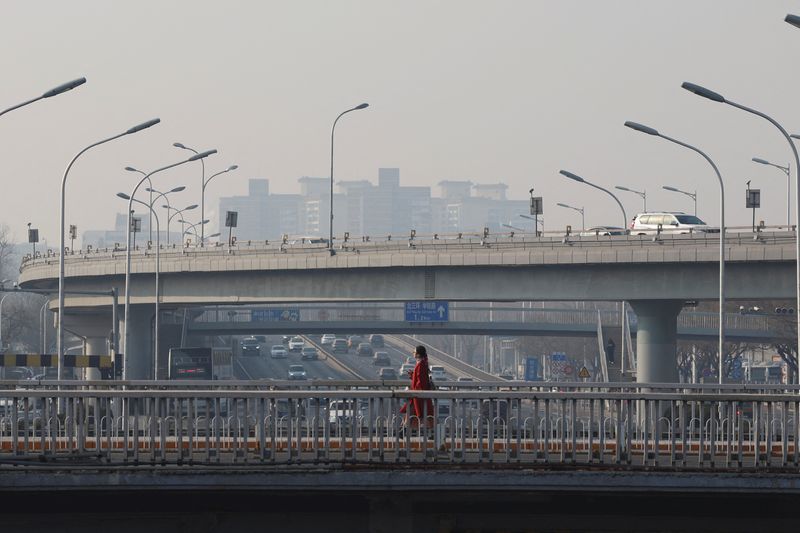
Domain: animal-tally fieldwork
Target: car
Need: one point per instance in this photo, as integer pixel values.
(296, 344)
(465, 378)
(327, 339)
(286, 338)
(278, 351)
(353, 341)
(309, 352)
(297, 372)
(670, 222)
(376, 340)
(387, 373)
(405, 368)
(438, 373)
(603, 231)
(250, 346)
(381, 359)
(339, 346)
(365, 349)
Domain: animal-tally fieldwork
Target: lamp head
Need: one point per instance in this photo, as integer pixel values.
(562, 205)
(232, 167)
(571, 176)
(622, 188)
(202, 155)
(668, 188)
(193, 206)
(179, 145)
(702, 91)
(143, 126)
(641, 127)
(178, 189)
(795, 136)
(794, 20)
(131, 169)
(64, 87)
(123, 196)
(361, 106)
(759, 160)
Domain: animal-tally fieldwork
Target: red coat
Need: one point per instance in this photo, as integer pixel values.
(420, 380)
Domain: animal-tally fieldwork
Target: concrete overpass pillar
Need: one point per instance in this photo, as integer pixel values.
(95, 346)
(139, 359)
(656, 340)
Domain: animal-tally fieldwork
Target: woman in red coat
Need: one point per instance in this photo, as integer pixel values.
(421, 409)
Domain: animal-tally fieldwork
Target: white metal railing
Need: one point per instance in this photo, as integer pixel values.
(666, 429)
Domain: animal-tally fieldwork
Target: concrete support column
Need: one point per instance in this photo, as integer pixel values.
(656, 340)
(139, 360)
(94, 346)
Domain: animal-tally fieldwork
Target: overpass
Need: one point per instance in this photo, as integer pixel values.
(656, 275)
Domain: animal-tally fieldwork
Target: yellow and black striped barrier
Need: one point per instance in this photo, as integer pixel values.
(49, 359)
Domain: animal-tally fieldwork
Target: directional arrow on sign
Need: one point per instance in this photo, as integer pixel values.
(441, 311)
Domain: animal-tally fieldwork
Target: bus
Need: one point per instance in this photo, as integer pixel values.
(200, 363)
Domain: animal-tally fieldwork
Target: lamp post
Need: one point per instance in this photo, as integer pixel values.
(202, 180)
(333, 129)
(509, 226)
(64, 87)
(650, 131)
(60, 335)
(125, 353)
(158, 271)
(641, 194)
(6, 295)
(192, 226)
(786, 170)
(579, 210)
(173, 215)
(579, 179)
(692, 195)
(165, 196)
(716, 97)
(203, 195)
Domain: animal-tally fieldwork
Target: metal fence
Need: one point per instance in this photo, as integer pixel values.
(668, 429)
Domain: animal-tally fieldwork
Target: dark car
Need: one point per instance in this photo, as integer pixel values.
(381, 359)
(365, 349)
(339, 346)
(250, 346)
(309, 352)
(387, 373)
(376, 341)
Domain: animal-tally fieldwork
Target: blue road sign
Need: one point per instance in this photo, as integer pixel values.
(275, 315)
(428, 311)
(531, 369)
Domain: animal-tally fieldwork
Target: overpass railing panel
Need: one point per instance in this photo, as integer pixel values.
(697, 430)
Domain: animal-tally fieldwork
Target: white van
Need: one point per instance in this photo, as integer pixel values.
(670, 222)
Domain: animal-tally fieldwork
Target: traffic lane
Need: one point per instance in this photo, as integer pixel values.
(450, 373)
(267, 367)
(364, 366)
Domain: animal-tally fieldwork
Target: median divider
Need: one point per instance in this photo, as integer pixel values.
(332, 360)
(451, 364)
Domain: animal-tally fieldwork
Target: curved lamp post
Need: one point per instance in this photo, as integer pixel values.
(203, 195)
(579, 179)
(333, 129)
(173, 215)
(64, 87)
(125, 353)
(641, 194)
(579, 210)
(786, 170)
(202, 180)
(60, 335)
(650, 131)
(692, 195)
(192, 226)
(158, 271)
(716, 97)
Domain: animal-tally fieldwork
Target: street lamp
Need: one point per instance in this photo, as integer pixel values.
(579, 179)
(158, 271)
(692, 195)
(6, 295)
(126, 354)
(203, 192)
(60, 335)
(786, 170)
(716, 97)
(333, 129)
(202, 181)
(641, 194)
(509, 226)
(650, 131)
(177, 212)
(192, 226)
(579, 210)
(64, 87)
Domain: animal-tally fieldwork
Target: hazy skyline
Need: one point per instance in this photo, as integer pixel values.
(500, 91)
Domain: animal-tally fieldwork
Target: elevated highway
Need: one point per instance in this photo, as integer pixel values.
(656, 275)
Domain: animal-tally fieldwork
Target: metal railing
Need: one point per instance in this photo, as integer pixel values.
(447, 243)
(668, 430)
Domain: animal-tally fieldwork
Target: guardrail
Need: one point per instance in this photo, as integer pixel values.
(443, 243)
(713, 431)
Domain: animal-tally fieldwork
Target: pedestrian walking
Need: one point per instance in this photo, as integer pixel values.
(417, 409)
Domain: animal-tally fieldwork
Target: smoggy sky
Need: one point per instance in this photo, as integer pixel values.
(506, 91)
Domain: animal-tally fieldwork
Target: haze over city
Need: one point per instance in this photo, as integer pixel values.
(457, 90)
